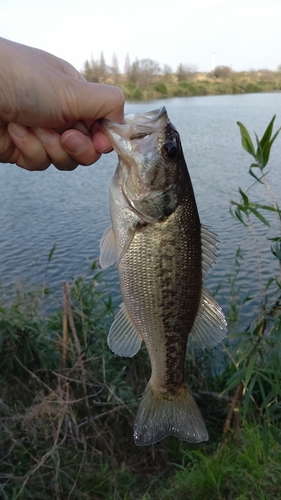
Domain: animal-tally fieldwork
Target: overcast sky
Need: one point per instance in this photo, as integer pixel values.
(243, 34)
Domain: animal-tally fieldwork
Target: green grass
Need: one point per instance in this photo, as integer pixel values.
(238, 469)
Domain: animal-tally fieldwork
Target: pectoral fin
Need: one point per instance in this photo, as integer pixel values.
(108, 249)
(123, 339)
(210, 326)
(131, 233)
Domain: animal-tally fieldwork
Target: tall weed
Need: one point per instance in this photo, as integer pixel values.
(256, 352)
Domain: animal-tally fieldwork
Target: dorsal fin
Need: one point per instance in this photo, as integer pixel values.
(209, 243)
(210, 326)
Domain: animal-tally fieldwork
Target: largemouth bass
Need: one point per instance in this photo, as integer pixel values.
(162, 252)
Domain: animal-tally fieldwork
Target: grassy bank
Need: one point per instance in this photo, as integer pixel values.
(67, 411)
(240, 84)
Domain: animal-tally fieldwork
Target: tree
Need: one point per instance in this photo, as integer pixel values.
(115, 68)
(87, 70)
(103, 70)
(222, 72)
(167, 70)
(91, 72)
(186, 72)
(143, 72)
(127, 66)
(134, 72)
(96, 71)
(167, 73)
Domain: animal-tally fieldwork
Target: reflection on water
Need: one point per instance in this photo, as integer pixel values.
(71, 209)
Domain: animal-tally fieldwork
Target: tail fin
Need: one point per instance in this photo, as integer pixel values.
(158, 417)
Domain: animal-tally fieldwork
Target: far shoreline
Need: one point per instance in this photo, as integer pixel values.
(147, 84)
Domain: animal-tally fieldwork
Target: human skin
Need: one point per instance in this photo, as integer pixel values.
(49, 113)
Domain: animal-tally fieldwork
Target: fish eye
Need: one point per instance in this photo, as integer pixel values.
(170, 150)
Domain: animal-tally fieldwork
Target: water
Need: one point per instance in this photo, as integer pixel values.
(71, 209)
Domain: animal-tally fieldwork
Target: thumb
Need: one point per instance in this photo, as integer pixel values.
(92, 101)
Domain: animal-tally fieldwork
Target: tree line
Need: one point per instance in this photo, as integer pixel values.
(146, 78)
(140, 72)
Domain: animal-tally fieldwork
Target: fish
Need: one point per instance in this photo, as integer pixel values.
(163, 253)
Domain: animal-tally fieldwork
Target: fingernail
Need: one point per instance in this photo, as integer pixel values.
(73, 143)
(105, 150)
(101, 143)
(18, 130)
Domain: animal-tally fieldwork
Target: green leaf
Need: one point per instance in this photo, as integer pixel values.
(237, 213)
(259, 216)
(267, 135)
(259, 153)
(266, 141)
(250, 367)
(276, 250)
(262, 391)
(51, 252)
(278, 238)
(248, 395)
(270, 281)
(235, 379)
(246, 350)
(254, 165)
(274, 137)
(238, 216)
(245, 198)
(276, 433)
(270, 208)
(266, 145)
(246, 140)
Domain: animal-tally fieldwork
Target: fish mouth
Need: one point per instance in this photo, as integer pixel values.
(148, 119)
(139, 133)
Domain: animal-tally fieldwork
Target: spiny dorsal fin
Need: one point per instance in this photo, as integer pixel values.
(209, 246)
(210, 326)
(123, 339)
(108, 248)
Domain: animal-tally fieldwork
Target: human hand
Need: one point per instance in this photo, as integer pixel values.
(49, 112)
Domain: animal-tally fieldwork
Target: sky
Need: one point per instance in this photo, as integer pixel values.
(242, 34)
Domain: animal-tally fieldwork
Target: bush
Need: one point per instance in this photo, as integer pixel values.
(251, 88)
(161, 88)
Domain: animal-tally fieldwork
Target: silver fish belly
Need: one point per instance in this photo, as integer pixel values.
(162, 252)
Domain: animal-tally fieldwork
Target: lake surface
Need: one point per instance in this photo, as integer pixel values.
(71, 209)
